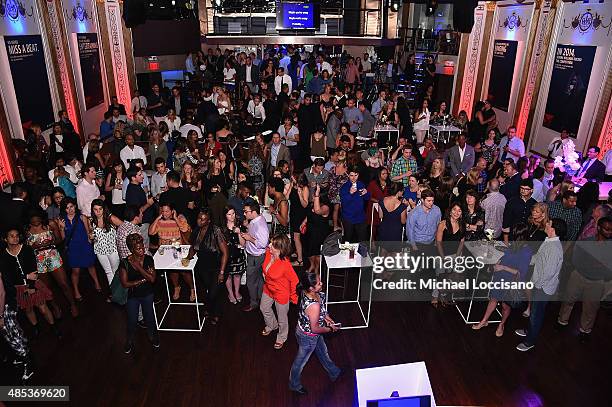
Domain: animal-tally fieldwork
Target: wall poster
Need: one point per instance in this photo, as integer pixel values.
(502, 73)
(91, 70)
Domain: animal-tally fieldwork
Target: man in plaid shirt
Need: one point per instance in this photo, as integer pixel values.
(133, 217)
(482, 176)
(404, 166)
(566, 210)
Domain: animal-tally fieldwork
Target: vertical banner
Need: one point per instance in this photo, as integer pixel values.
(30, 80)
(568, 87)
(91, 70)
(502, 73)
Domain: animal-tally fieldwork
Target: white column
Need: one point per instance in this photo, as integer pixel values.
(472, 61)
(56, 37)
(117, 51)
(538, 58)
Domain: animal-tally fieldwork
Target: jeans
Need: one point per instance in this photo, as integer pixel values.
(539, 300)
(254, 276)
(308, 344)
(355, 232)
(132, 307)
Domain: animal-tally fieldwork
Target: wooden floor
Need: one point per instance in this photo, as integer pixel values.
(232, 365)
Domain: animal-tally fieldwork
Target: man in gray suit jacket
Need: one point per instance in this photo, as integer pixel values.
(461, 157)
(369, 121)
(276, 153)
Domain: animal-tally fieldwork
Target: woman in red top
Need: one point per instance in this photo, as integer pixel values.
(280, 281)
(378, 190)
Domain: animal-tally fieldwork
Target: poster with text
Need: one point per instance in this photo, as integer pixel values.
(568, 87)
(91, 70)
(29, 72)
(502, 72)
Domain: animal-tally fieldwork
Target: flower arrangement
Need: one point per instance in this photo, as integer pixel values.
(569, 162)
(490, 234)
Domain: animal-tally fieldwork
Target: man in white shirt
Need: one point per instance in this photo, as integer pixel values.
(281, 79)
(511, 146)
(539, 190)
(608, 163)
(138, 102)
(131, 151)
(255, 108)
(366, 65)
(117, 116)
(87, 190)
(547, 266)
(54, 173)
(555, 147)
(549, 175)
(323, 65)
(188, 126)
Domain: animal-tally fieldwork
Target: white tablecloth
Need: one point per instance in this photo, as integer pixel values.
(490, 255)
(449, 129)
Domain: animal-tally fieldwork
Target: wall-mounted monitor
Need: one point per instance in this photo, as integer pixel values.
(294, 15)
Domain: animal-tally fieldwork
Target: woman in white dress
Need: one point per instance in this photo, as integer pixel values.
(421, 121)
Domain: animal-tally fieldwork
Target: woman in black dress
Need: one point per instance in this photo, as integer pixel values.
(478, 126)
(236, 261)
(210, 245)
(298, 204)
(215, 191)
(449, 242)
(473, 216)
(317, 227)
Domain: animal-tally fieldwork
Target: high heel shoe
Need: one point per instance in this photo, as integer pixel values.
(177, 293)
(192, 296)
(480, 325)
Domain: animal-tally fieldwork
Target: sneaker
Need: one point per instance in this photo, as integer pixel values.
(583, 337)
(27, 371)
(128, 348)
(141, 323)
(521, 332)
(523, 347)
(155, 341)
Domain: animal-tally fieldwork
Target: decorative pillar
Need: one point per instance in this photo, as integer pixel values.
(540, 48)
(605, 138)
(117, 51)
(62, 66)
(468, 86)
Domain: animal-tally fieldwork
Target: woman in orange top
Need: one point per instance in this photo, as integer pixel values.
(280, 281)
(171, 228)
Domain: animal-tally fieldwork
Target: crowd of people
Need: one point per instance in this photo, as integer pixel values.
(253, 164)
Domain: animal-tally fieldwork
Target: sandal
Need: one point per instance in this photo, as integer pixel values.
(480, 325)
(239, 300)
(278, 345)
(177, 293)
(499, 332)
(265, 332)
(192, 296)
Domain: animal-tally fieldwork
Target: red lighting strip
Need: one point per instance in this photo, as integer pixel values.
(6, 171)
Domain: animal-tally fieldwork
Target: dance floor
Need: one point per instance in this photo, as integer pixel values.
(233, 365)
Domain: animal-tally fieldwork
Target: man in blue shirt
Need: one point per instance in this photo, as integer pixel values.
(353, 197)
(352, 115)
(106, 127)
(423, 222)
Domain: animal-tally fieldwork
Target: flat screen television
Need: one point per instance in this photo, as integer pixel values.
(295, 15)
(416, 401)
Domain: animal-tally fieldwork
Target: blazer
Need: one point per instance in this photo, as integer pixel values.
(457, 165)
(283, 154)
(596, 172)
(241, 74)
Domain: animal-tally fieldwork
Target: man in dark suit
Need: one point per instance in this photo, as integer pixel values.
(591, 170)
(178, 102)
(249, 74)
(461, 157)
(207, 112)
(512, 181)
(277, 153)
(15, 212)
